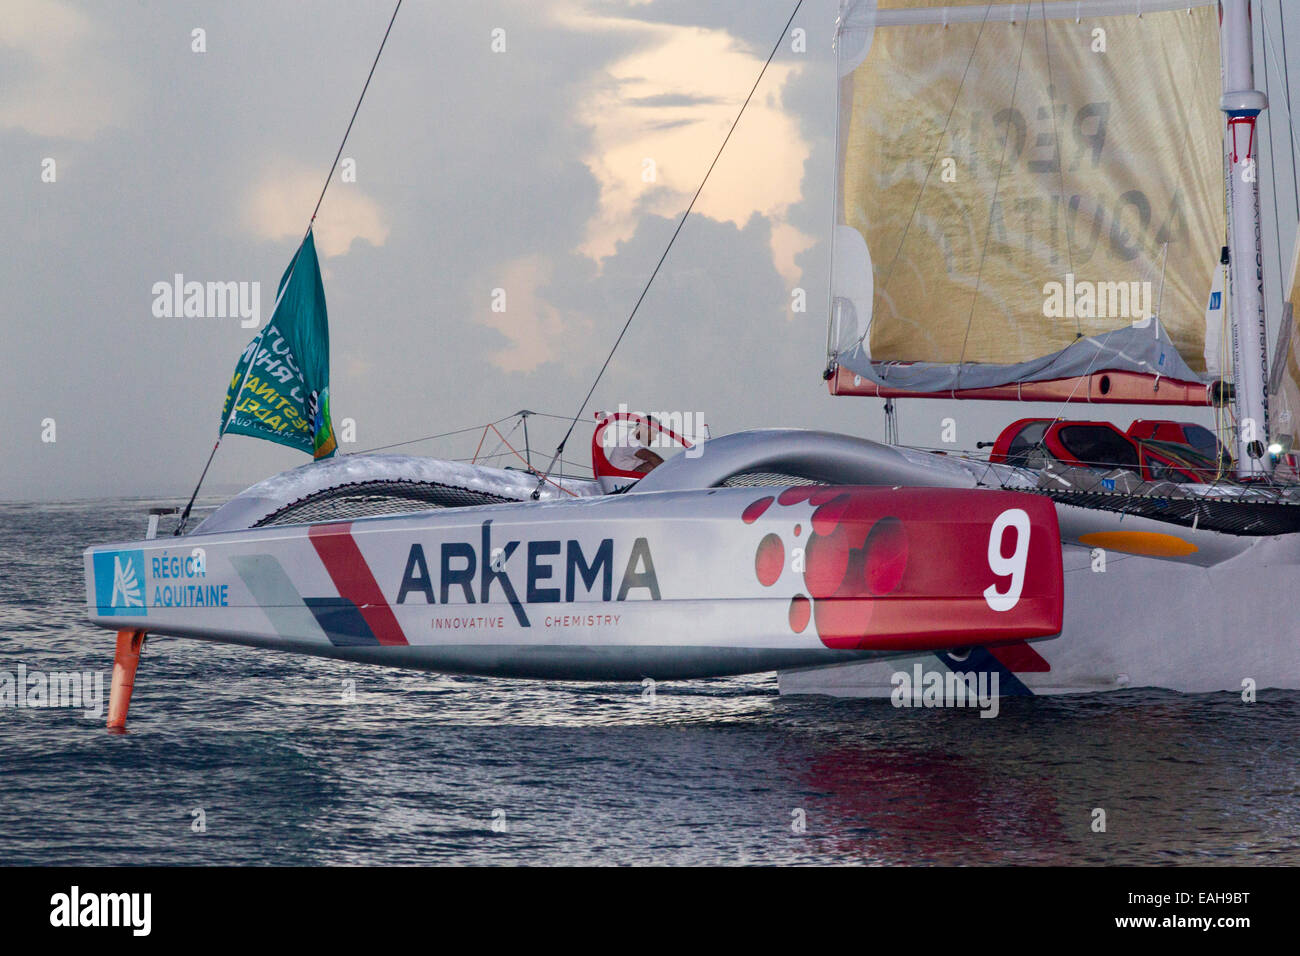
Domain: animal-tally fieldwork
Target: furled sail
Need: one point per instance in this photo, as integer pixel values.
(1026, 192)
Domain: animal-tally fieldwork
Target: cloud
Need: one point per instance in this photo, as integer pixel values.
(649, 110)
(474, 173)
(66, 85)
(787, 243)
(280, 202)
(530, 324)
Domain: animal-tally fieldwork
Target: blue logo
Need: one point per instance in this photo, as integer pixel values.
(1108, 484)
(119, 583)
(1216, 301)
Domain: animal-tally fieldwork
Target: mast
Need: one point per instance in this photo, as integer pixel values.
(1243, 103)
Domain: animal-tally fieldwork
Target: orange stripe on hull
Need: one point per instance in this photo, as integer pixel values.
(1148, 543)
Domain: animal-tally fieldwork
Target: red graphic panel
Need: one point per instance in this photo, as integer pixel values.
(915, 568)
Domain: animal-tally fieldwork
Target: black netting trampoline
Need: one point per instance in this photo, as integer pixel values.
(367, 499)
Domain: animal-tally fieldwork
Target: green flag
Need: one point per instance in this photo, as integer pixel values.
(281, 387)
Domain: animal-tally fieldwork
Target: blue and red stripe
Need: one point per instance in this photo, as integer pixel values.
(360, 614)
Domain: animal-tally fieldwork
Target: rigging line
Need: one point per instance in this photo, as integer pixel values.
(997, 185)
(412, 441)
(580, 466)
(479, 447)
(330, 175)
(1286, 84)
(497, 447)
(185, 515)
(563, 418)
(514, 451)
(1277, 217)
(1286, 88)
(180, 526)
(505, 454)
(1060, 153)
(559, 450)
(934, 159)
(533, 471)
(1186, 113)
(493, 453)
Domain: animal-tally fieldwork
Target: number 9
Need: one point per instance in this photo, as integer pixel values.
(1014, 565)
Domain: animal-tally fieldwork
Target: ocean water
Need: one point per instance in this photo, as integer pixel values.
(262, 750)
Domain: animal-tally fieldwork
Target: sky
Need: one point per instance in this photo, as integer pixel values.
(521, 169)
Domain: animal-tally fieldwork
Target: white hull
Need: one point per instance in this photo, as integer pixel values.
(668, 586)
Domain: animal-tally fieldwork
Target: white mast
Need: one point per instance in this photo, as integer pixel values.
(1243, 103)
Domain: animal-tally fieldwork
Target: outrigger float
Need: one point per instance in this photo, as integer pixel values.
(1076, 557)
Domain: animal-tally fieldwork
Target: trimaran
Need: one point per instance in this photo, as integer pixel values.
(1015, 220)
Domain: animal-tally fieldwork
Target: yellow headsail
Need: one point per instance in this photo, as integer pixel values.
(1012, 186)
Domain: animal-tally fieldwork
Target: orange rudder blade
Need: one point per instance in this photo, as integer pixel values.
(125, 661)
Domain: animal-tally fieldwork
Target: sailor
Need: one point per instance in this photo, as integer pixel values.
(631, 452)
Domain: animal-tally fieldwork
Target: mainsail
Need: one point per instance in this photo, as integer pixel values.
(280, 387)
(1026, 193)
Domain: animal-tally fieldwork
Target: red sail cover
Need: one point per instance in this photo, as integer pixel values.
(1108, 387)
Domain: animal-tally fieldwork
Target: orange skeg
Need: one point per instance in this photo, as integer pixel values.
(129, 645)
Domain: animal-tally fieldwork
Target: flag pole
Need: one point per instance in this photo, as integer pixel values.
(185, 515)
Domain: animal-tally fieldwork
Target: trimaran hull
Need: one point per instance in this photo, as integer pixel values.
(686, 584)
(839, 586)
